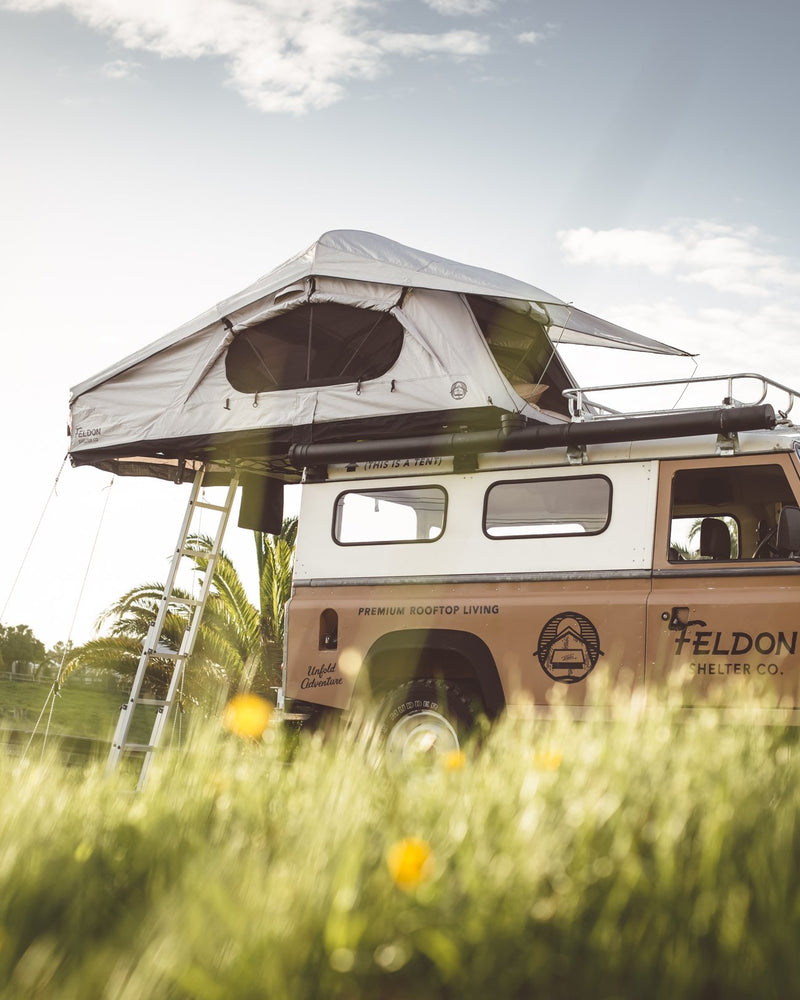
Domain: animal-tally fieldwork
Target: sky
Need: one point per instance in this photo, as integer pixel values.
(636, 158)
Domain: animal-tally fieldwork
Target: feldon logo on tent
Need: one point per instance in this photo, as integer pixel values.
(88, 435)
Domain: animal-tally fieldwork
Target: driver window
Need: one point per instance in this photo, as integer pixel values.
(726, 513)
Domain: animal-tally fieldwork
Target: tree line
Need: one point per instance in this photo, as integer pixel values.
(19, 646)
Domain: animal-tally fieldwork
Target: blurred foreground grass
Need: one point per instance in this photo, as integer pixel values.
(644, 858)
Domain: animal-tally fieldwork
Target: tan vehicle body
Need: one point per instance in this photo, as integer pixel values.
(510, 611)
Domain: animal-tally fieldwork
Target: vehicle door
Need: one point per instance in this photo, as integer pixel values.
(723, 610)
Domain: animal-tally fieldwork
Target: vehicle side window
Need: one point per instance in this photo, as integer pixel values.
(726, 513)
(409, 514)
(578, 505)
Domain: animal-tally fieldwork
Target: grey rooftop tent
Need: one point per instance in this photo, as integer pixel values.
(356, 338)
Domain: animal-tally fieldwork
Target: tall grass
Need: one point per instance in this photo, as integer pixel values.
(652, 857)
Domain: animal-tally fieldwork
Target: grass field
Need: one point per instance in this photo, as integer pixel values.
(645, 858)
(84, 715)
(77, 711)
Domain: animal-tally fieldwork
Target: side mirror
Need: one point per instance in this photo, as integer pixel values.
(788, 538)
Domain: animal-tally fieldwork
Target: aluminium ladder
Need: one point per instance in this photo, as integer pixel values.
(154, 648)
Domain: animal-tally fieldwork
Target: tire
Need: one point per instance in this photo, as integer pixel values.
(422, 721)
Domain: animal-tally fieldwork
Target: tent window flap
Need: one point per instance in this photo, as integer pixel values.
(316, 344)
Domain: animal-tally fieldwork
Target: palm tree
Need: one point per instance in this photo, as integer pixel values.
(238, 646)
(275, 555)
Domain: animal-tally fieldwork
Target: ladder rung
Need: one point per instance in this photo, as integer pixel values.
(210, 506)
(167, 654)
(188, 550)
(158, 702)
(190, 602)
(138, 747)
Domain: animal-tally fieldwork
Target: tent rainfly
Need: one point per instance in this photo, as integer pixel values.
(356, 338)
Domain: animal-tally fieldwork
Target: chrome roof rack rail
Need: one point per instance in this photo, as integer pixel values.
(583, 408)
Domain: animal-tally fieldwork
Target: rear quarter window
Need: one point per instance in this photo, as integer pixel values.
(385, 516)
(539, 508)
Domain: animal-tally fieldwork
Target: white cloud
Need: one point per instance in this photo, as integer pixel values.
(281, 55)
(120, 69)
(455, 43)
(725, 258)
(744, 320)
(536, 37)
(725, 341)
(728, 339)
(455, 8)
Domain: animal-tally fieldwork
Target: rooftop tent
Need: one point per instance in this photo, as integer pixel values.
(358, 337)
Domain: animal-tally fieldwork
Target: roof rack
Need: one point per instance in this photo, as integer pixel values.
(583, 408)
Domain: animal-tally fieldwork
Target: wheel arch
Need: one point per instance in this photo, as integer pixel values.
(450, 654)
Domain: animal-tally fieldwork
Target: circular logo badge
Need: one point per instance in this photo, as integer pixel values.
(458, 390)
(568, 647)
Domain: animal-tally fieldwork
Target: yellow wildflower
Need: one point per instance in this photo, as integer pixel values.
(247, 716)
(410, 862)
(547, 760)
(454, 760)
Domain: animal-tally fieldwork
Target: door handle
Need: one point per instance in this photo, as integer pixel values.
(678, 620)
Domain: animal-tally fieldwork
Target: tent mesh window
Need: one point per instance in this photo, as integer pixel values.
(524, 353)
(315, 344)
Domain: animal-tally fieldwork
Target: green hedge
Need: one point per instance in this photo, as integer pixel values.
(652, 857)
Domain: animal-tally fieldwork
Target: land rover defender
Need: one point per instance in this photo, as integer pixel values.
(448, 576)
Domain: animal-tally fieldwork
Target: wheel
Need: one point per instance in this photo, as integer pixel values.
(422, 721)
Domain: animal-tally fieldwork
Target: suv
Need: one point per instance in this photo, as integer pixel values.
(451, 576)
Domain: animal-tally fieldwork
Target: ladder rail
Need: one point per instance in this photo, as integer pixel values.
(152, 646)
(150, 643)
(190, 635)
(177, 556)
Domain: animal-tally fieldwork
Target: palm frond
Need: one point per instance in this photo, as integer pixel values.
(237, 644)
